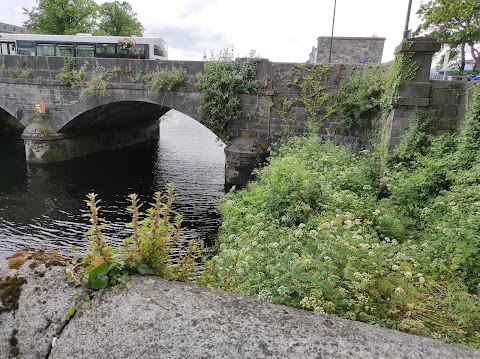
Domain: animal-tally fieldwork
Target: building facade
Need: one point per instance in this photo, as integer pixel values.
(12, 29)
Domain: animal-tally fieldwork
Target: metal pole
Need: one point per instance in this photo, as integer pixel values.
(405, 32)
(331, 36)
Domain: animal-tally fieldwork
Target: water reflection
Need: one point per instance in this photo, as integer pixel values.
(41, 206)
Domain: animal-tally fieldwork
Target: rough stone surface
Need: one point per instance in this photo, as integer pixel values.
(161, 319)
(45, 299)
(348, 50)
(242, 156)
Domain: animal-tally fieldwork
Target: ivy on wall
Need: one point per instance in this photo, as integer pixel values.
(313, 93)
(219, 85)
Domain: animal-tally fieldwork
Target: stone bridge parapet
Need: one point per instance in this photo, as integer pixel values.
(74, 126)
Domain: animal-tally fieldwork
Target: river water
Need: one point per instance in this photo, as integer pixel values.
(42, 207)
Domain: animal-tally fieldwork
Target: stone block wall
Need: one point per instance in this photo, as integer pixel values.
(276, 111)
(350, 50)
(288, 114)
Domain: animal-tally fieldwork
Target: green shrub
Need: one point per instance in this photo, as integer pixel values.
(70, 76)
(436, 188)
(312, 233)
(359, 98)
(219, 85)
(167, 79)
(95, 84)
(148, 250)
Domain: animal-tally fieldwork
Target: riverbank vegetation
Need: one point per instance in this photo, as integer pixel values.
(153, 248)
(321, 230)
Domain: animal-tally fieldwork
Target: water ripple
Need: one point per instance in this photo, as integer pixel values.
(42, 207)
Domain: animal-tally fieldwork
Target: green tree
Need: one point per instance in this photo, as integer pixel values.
(118, 19)
(456, 23)
(62, 17)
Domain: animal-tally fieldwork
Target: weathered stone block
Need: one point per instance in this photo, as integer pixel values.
(409, 101)
(414, 89)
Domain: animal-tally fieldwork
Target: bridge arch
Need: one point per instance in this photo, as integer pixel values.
(123, 108)
(12, 109)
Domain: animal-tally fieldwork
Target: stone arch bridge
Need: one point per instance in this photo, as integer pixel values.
(74, 126)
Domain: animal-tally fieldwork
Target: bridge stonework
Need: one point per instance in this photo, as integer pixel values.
(74, 126)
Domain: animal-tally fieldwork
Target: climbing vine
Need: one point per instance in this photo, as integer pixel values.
(219, 85)
(358, 98)
(312, 93)
(403, 70)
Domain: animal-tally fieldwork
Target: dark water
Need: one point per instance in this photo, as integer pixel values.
(42, 207)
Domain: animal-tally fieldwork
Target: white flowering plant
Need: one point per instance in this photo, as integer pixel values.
(315, 232)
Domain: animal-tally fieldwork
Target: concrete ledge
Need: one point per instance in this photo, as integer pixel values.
(161, 319)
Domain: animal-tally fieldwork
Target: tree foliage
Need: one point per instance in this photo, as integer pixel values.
(456, 23)
(68, 17)
(61, 17)
(118, 19)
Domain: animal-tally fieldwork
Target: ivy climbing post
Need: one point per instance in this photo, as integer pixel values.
(410, 86)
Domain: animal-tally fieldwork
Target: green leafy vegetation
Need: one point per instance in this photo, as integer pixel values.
(70, 76)
(219, 85)
(61, 17)
(70, 17)
(93, 83)
(403, 70)
(320, 230)
(359, 98)
(166, 79)
(149, 250)
(454, 23)
(312, 93)
(118, 19)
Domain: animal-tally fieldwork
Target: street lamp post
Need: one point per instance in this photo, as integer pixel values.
(406, 32)
(331, 36)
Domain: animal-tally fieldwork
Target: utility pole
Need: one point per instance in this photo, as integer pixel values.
(331, 36)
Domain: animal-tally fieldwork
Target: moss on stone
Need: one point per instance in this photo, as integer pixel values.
(48, 259)
(10, 290)
(14, 351)
(17, 259)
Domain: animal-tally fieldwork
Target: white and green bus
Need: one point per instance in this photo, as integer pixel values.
(84, 45)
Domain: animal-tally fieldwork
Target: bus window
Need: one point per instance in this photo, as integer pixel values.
(85, 50)
(11, 48)
(26, 48)
(4, 48)
(157, 50)
(139, 51)
(45, 50)
(105, 50)
(64, 50)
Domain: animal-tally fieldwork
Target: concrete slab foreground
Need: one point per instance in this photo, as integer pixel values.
(162, 319)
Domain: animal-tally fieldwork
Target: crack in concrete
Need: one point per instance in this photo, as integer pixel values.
(57, 335)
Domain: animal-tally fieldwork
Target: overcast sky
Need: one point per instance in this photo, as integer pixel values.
(278, 30)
